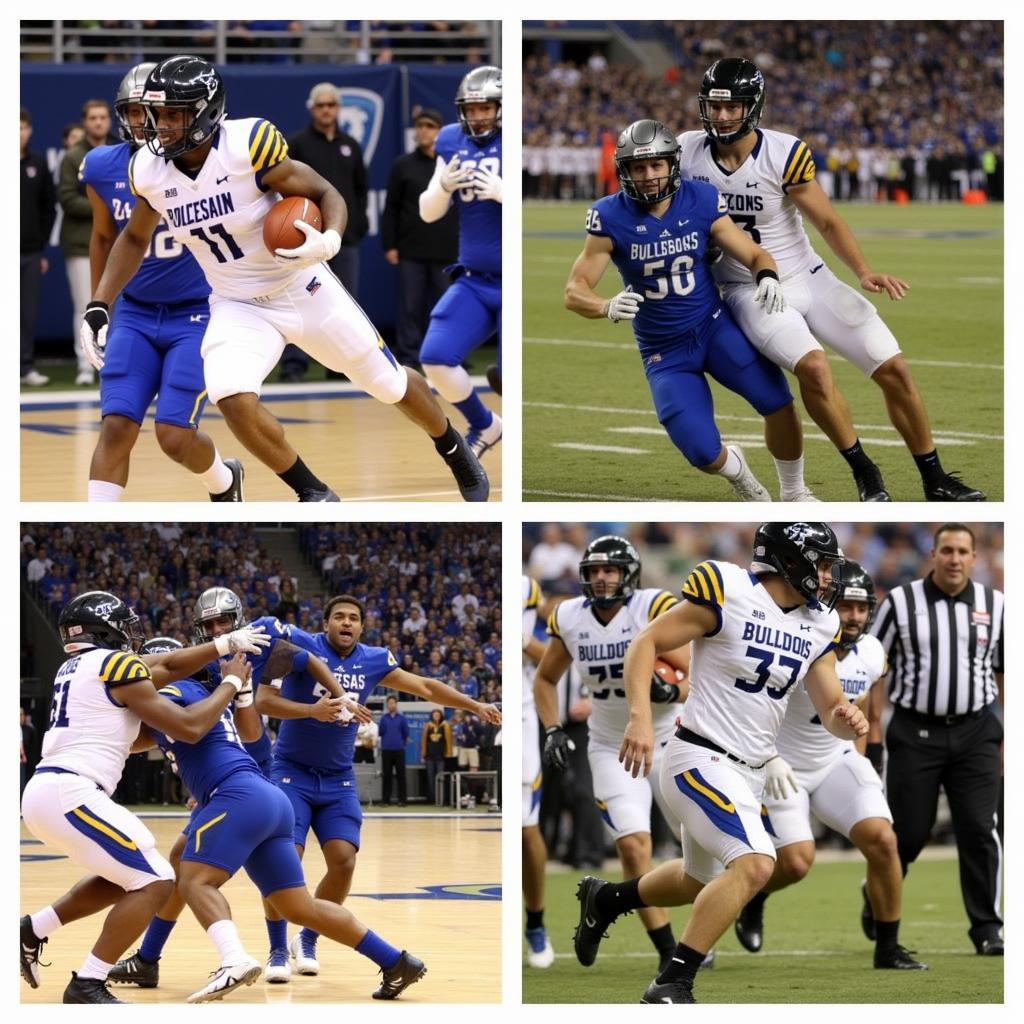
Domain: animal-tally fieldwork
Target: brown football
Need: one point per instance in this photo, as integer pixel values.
(279, 231)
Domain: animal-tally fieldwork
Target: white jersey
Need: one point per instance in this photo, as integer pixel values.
(598, 651)
(90, 732)
(531, 601)
(219, 214)
(756, 195)
(803, 741)
(744, 671)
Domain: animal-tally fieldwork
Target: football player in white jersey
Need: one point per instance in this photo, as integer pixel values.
(768, 181)
(214, 180)
(535, 855)
(594, 632)
(816, 771)
(100, 696)
(756, 634)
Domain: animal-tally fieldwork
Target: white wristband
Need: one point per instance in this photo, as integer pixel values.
(234, 680)
(223, 645)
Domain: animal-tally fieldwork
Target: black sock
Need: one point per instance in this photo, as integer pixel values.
(928, 466)
(856, 458)
(534, 919)
(448, 440)
(886, 934)
(662, 938)
(684, 966)
(299, 477)
(615, 898)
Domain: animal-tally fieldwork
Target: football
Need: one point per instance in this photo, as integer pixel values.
(279, 231)
(667, 673)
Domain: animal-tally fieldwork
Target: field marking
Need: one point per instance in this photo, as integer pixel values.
(758, 439)
(961, 951)
(624, 347)
(614, 449)
(585, 496)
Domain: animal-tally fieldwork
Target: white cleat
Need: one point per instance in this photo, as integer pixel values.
(304, 955)
(34, 379)
(279, 970)
(746, 485)
(224, 979)
(485, 440)
(541, 953)
(804, 494)
(85, 377)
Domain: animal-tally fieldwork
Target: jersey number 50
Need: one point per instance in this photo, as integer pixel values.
(679, 276)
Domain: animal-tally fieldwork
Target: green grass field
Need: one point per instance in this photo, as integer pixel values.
(589, 429)
(814, 949)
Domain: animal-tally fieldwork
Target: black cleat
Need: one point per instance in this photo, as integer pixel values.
(133, 970)
(708, 962)
(671, 992)
(591, 930)
(494, 378)
(897, 959)
(989, 947)
(749, 925)
(871, 486)
(312, 494)
(30, 948)
(234, 492)
(867, 915)
(88, 990)
(397, 979)
(469, 474)
(949, 487)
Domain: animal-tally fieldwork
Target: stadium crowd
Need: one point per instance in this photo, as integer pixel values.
(891, 110)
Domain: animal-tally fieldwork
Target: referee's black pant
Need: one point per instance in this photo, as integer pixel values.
(964, 759)
(393, 761)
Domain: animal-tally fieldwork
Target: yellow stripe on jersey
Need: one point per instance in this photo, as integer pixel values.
(128, 844)
(259, 138)
(173, 691)
(798, 154)
(124, 668)
(268, 147)
(553, 623)
(209, 824)
(280, 151)
(131, 175)
(661, 604)
(801, 167)
(712, 795)
(703, 585)
(536, 784)
(533, 598)
(196, 406)
(838, 636)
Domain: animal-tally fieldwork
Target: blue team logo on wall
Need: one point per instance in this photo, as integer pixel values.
(361, 115)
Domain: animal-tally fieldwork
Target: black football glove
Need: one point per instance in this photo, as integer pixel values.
(557, 748)
(875, 753)
(662, 692)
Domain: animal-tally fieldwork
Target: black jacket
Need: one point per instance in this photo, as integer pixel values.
(340, 161)
(401, 226)
(38, 203)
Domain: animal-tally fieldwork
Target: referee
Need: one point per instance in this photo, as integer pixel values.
(944, 638)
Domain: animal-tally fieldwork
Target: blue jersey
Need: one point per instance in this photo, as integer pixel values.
(208, 762)
(267, 665)
(326, 745)
(662, 258)
(169, 273)
(479, 219)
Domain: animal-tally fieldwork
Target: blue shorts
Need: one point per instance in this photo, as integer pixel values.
(247, 822)
(327, 802)
(466, 315)
(154, 351)
(677, 378)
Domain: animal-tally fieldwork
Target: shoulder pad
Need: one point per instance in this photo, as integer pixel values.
(124, 667)
(663, 600)
(705, 585)
(532, 597)
(799, 167)
(267, 147)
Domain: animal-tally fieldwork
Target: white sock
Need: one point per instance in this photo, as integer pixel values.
(100, 490)
(224, 935)
(45, 922)
(791, 475)
(93, 967)
(732, 467)
(218, 477)
(452, 382)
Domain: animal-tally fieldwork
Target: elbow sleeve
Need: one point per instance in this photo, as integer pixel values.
(434, 201)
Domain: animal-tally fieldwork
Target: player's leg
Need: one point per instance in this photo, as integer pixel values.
(540, 953)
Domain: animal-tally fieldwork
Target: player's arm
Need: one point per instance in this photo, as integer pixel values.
(103, 237)
(439, 693)
(144, 741)
(837, 714)
(533, 648)
(812, 202)
(586, 272)
(437, 196)
(294, 178)
(728, 236)
(554, 663)
(287, 657)
(171, 666)
(270, 702)
(127, 253)
(247, 720)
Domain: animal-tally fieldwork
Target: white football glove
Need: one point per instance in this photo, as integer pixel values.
(244, 697)
(769, 295)
(93, 333)
(779, 780)
(488, 185)
(318, 247)
(248, 640)
(455, 176)
(624, 306)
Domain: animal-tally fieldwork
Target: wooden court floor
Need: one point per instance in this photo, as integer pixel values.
(427, 884)
(363, 449)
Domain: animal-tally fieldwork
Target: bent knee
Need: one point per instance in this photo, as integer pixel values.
(756, 869)
(795, 864)
(814, 374)
(634, 848)
(881, 843)
(894, 375)
(174, 441)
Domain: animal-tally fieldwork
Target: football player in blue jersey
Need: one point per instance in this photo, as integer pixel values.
(313, 761)
(657, 230)
(469, 312)
(154, 340)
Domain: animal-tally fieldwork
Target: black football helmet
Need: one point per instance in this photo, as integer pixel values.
(611, 550)
(99, 619)
(794, 551)
(481, 85)
(132, 86)
(212, 604)
(732, 78)
(856, 585)
(190, 84)
(648, 140)
(161, 645)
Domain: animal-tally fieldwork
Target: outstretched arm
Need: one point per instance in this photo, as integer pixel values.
(439, 693)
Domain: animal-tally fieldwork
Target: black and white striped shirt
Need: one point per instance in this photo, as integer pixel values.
(943, 651)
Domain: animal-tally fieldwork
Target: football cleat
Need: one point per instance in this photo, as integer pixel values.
(226, 979)
(484, 440)
(469, 474)
(990, 947)
(279, 970)
(804, 494)
(871, 486)
(234, 492)
(85, 377)
(133, 970)
(541, 953)
(312, 494)
(670, 992)
(35, 379)
(30, 947)
(746, 485)
(88, 990)
(493, 378)
(867, 915)
(709, 960)
(897, 958)
(591, 928)
(303, 951)
(407, 971)
(949, 487)
(749, 925)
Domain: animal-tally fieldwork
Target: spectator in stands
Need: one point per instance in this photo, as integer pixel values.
(338, 157)
(39, 566)
(420, 250)
(394, 737)
(414, 621)
(468, 683)
(38, 212)
(437, 745)
(76, 226)
(71, 134)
